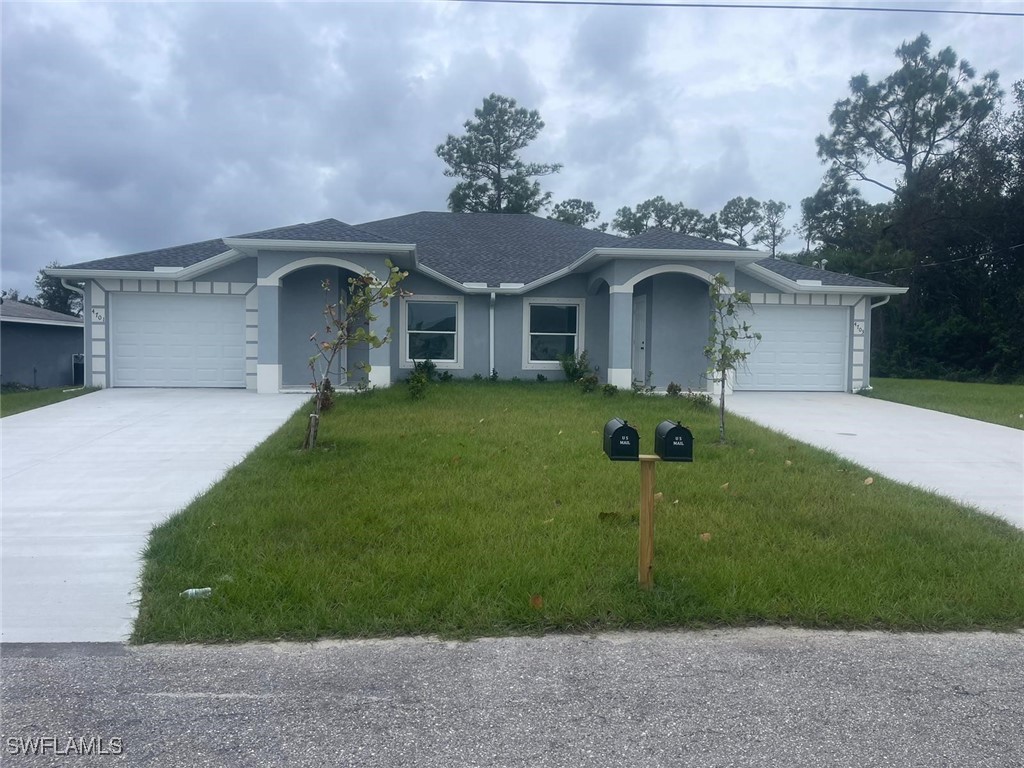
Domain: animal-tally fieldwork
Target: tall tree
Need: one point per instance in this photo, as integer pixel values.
(772, 230)
(54, 296)
(739, 218)
(575, 211)
(657, 212)
(914, 119)
(494, 178)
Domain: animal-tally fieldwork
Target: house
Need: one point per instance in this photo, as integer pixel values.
(37, 346)
(504, 292)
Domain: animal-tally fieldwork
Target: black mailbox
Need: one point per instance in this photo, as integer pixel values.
(621, 441)
(673, 442)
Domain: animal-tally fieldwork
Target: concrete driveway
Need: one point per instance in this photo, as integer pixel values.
(974, 462)
(84, 481)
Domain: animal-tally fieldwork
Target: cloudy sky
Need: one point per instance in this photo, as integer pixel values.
(127, 127)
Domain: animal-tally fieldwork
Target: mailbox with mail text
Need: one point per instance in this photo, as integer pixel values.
(621, 441)
(673, 442)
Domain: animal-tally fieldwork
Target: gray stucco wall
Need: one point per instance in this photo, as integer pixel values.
(596, 341)
(301, 306)
(38, 355)
(678, 327)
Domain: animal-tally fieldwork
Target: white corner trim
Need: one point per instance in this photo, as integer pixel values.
(380, 376)
(620, 377)
(268, 378)
(581, 324)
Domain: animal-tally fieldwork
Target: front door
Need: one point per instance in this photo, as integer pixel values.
(640, 338)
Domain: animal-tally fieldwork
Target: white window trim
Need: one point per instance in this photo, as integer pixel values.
(581, 324)
(460, 331)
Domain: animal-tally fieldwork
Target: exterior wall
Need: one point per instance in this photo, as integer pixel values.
(678, 330)
(98, 321)
(301, 306)
(597, 331)
(38, 355)
(291, 299)
(510, 331)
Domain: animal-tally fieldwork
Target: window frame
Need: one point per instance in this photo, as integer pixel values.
(528, 304)
(404, 360)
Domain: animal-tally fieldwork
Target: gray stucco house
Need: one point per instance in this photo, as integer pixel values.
(37, 345)
(503, 292)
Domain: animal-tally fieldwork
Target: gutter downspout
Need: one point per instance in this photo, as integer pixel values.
(80, 292)
(881, 303)
(490, 324)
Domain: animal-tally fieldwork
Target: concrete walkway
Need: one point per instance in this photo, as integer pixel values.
(84, 482)
(974, 462)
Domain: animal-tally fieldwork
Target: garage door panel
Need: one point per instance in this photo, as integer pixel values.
(802, 348)
(178, 340)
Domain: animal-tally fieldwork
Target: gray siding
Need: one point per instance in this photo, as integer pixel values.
(38, 355)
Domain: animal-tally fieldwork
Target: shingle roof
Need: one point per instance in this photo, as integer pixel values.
(16, 310)
(666, 238)
(794, 271)
(193, 253)
(491, 248)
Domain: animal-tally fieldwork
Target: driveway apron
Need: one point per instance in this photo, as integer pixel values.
(974, 462)
(84, 482)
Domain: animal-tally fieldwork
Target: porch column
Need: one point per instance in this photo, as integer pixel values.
(620, 336)
(380, 359)
(268, 363)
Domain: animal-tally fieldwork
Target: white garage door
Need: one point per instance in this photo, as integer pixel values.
(802, 349)
(177, 340)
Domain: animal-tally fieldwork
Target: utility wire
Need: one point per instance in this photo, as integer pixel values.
(943, 263)
(744, 6)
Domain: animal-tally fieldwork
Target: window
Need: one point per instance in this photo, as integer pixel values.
(552, 328)
(431, 327)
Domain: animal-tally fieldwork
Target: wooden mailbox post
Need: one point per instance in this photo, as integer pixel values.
(672, 442)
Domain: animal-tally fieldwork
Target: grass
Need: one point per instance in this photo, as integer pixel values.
(489, 509)
(17, 402)
(996, 403)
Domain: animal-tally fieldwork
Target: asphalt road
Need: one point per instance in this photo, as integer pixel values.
(758, 697)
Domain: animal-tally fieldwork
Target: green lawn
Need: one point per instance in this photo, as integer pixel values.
(16, 402)
(996, 403)
(490, 509)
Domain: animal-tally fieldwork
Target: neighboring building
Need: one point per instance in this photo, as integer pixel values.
(37, 346)
(505, 292)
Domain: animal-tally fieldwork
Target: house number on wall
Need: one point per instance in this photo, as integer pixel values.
(97, 316)
(858, 327)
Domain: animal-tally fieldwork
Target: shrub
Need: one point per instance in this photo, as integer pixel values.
(494, 374)
(701, 400)
(673, 389)
(610, 390)
(445, 376)
(418, 384)
(541, 378)
(588, 383)
(575, 367)
(427, 367)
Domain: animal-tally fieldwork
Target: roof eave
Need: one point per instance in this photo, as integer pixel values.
(251, 246)
(34, 321)
(792, 286)
(165, 273)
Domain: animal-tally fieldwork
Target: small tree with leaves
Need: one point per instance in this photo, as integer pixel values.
(347, 323)
(727, 345)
